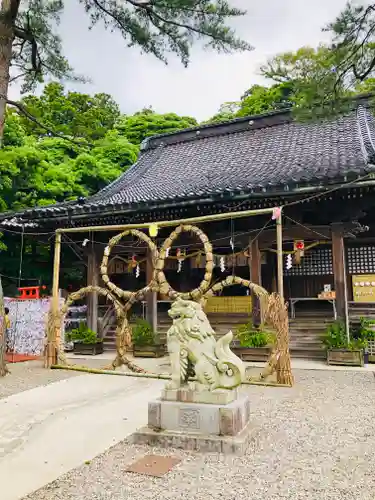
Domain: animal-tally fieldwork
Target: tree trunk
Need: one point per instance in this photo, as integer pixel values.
(8, 15)
(3, 366)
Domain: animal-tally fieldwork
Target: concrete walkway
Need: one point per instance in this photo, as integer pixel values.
(47, 431)
(162, 365)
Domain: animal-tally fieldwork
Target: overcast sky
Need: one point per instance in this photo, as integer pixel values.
(136, 80)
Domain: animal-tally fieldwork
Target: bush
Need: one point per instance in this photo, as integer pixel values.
(251, 336)
(142, 333)
(83, 334)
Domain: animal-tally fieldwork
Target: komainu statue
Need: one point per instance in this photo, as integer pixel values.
(194, 351)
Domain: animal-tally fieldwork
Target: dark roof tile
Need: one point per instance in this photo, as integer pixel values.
(279, 154)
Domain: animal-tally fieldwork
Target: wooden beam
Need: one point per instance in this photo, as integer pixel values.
(280, 263)
(267, 238)
(151, 297)
(338, 263)
(170, 223)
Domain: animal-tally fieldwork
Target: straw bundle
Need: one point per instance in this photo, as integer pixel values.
(277, 316)
(124, 294)
(164, 287)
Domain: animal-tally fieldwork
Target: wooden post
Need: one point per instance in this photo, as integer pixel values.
(3, 366)
(280, 264)
(92, 298)
(151, 298)
(255, 277)
(339, 272)
(54, 330)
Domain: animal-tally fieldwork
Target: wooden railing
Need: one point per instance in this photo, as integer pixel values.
(106, 322)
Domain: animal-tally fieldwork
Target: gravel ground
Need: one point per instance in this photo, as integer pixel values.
(316, 442)
(30, 374)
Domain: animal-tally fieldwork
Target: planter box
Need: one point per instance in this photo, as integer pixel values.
(88, 349)
(345, 357)
(149, 351)
(260, 354)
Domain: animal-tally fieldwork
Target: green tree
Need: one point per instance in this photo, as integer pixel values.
(147, 123)
(306, 76)
(70, 113)
(326, 77)
(227, 111)
(110, 157)
(256, 100)
(30, 48)
(259, 99)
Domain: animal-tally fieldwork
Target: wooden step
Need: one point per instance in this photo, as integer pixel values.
(308, 353)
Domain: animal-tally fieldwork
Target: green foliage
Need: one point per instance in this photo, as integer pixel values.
(160, 27)
(310, 77)
(37, 50)
(366, 328)
(250, 336)
(70, 113)
(83, 334)
(259, 99)
(335, 336)
(142, 333)
(147, 123)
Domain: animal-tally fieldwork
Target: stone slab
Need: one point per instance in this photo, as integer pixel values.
(236, 445)
(199, 418)
(187, 395)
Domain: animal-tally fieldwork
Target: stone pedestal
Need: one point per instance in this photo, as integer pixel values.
(192, 425)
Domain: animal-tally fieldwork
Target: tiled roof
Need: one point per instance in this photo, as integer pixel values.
(247, 155)
(267, 153)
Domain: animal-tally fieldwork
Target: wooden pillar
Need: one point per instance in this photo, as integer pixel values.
(151, 298)
(280, 264)
(92, 280)
(339, 271)
(255, 277)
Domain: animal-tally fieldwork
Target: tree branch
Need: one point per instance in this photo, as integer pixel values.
(27, 36)
(21, 108)
(148, 8)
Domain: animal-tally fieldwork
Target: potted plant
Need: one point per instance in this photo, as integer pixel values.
(85, 341)
(145, 345)
(340, 351)
(253, 343)
(366, 331)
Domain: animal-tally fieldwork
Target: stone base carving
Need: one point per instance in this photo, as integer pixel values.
(187, 395)
(222, 428)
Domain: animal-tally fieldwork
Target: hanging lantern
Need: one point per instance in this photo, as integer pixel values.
(134, 261)
(299, 251)
(153, 230)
